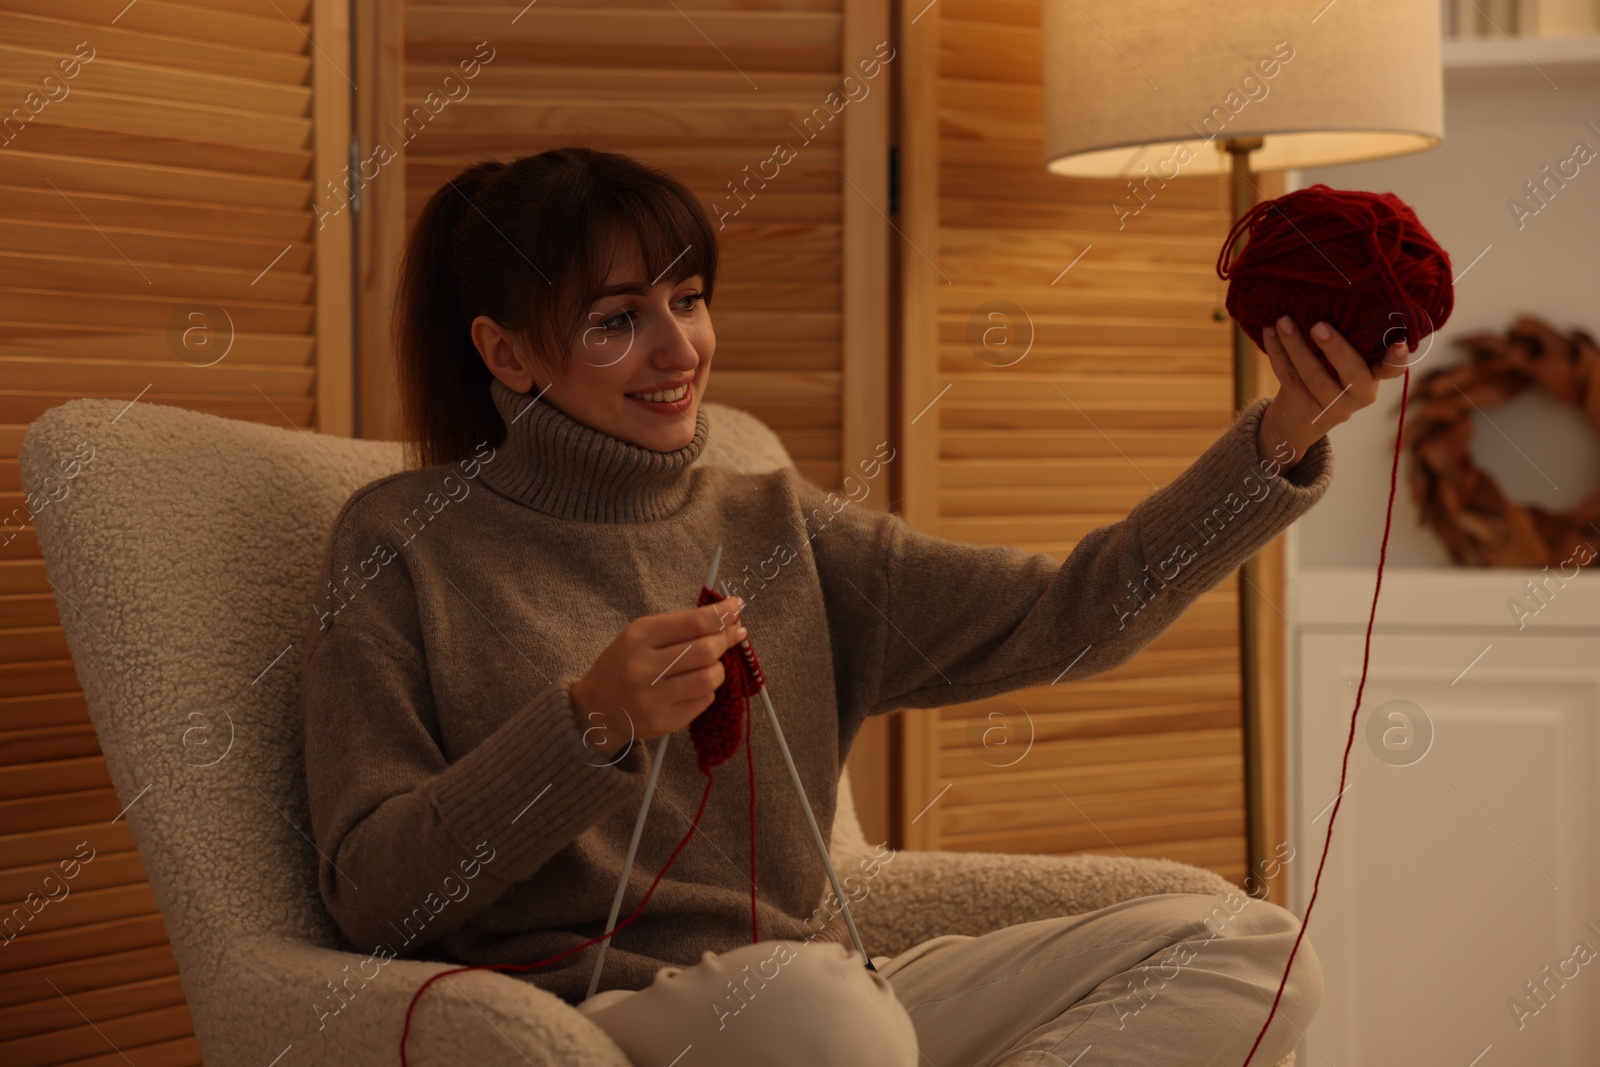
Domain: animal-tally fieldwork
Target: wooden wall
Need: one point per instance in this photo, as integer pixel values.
(1105, 374)
(159, 242)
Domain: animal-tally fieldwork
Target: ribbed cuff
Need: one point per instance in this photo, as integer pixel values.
(1228, 504)
(533, 786)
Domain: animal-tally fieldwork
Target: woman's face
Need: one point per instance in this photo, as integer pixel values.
(640, 337)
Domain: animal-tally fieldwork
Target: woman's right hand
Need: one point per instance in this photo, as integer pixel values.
(657, 676)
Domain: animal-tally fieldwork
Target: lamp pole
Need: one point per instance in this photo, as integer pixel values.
(1241, 198)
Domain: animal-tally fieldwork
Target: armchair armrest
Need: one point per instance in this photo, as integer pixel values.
(343, 1007)
(920, 895)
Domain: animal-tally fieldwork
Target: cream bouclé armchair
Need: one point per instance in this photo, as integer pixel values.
(184, 550)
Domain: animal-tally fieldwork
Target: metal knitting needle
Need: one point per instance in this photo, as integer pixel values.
(799, 788)
(822, 847)
(638, 824)
(805, 806)
(627, 864)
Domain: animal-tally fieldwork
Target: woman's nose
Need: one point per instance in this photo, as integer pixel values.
(673, 345)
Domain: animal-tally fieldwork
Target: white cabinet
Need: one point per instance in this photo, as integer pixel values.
(1465, 867)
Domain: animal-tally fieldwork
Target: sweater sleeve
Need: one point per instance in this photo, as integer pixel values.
(399, 828)
(922, 621)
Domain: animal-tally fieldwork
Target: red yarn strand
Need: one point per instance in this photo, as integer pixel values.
(1366, 655)
(711, 732)
(750, 765)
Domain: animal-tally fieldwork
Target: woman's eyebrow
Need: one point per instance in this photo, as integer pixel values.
(636, 288)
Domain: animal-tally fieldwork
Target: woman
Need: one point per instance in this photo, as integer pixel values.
(506, 625)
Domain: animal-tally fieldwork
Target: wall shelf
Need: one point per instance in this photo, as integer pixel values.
(1502, 61)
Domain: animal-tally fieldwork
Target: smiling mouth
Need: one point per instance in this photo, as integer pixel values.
(667, 395)
(666, 401)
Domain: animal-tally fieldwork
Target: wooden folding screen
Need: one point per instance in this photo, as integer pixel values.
(174, 228)
(1061, 359)
(776, 115)
(162, 176)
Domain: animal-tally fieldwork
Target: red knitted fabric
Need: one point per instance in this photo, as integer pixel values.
(1359, 261)
(1362, 263)
(715, 733)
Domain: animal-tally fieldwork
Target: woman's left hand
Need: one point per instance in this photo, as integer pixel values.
(1310, 401)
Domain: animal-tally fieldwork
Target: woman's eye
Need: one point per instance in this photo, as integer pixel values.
(623, 320)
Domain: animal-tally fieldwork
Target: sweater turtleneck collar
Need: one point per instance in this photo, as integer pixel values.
(555, 464)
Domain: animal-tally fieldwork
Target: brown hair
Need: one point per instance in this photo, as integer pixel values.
(527, 243)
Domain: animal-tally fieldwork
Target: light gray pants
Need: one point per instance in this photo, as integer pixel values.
(1168, 979)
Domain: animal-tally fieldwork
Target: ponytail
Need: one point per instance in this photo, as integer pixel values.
(529, 244)
(439, 371)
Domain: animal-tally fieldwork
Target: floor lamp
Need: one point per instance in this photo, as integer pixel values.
(1144, 92)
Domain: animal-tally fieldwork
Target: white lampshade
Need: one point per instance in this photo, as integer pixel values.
(1161, 84)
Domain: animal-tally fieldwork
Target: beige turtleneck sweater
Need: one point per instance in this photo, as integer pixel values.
(456, 807)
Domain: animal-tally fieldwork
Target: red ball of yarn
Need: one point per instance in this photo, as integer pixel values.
(1359, 261)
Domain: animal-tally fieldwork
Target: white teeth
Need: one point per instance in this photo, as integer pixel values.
(667, 397)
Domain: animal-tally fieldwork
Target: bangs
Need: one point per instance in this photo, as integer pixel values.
(602, 221)
(673, 243)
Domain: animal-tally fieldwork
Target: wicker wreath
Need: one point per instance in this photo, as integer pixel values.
(1479, 525)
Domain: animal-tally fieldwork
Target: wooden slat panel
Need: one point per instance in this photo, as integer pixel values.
(1048, 757)
(283, 349)
(74, 976)
(26, 610)
(81, 943)
(1206, 772)
(1052, 442)
(58, 274)
(84, 1040)
(1110, 374)
(105, 870)
(52, 846)
(182, 169)
(657, 27)
(59, 809)
(67, 142)
(30, 677)
(43, 711)
(58, 33)
(153, 117)
(25, 780)
(168, 378)
(129, 206)
(88, 906)
(700, 5)
(251, 408)
(1081, 835)
(177, 1052)
(689, 86)
(109, 76)
(254, 30)
(55, 1012)
(74, 176)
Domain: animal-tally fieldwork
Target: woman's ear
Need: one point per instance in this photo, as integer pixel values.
(502, 354)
